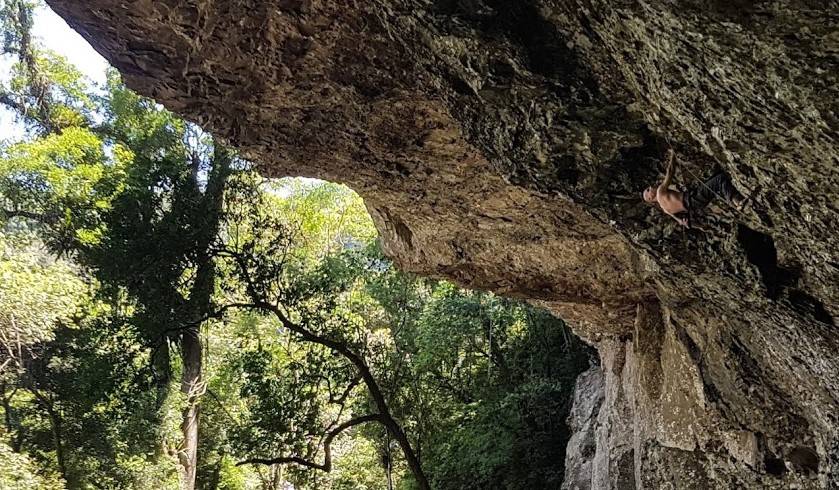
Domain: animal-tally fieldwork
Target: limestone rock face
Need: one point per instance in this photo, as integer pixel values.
(504, 145)
(579, 456)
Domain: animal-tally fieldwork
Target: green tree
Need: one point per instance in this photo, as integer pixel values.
(271, 272)
(159, 239)
(35, 295)
(490, 383)
(20, 473)
(137, 200)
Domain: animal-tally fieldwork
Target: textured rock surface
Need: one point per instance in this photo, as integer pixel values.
(504, 144)
(588, 398)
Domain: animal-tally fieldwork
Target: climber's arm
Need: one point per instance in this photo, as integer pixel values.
(668, 178)
(681, 220)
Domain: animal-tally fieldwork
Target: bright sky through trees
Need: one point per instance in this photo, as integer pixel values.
(56, 35)
(59, 37)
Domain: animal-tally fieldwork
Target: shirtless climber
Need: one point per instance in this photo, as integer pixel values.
(681, 205)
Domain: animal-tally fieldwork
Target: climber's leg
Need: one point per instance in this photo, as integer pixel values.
(721, 184)
(717, 186)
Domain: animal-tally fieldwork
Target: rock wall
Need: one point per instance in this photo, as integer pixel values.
(504, 145)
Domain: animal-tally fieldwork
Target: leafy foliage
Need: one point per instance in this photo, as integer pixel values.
(20, 473)
(61, 181)
(36, 293)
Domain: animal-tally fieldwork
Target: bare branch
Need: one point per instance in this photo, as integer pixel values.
(341, 399)
(12, 104)
(14, 213)
(327, 447)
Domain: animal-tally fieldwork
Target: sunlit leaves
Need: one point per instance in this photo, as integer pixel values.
(19, 472)
(36, 294)
(61, 181)
(141, 124)
(323, 217)
(47, 92)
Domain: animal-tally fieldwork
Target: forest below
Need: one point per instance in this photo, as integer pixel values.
(171, 319)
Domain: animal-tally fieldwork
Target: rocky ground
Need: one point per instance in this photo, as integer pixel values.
(505, 144)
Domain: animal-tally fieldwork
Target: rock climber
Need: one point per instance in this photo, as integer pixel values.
(680, 205)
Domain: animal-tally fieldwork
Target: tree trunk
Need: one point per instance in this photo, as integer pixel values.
(199, 304)
(388, 464)
(13, 427)
(410, 457)
(162, 370)
(387, 419)
(55, 423)
(55, 429)
(192, 387)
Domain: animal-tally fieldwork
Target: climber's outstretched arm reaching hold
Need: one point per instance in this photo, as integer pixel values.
(668, 177)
